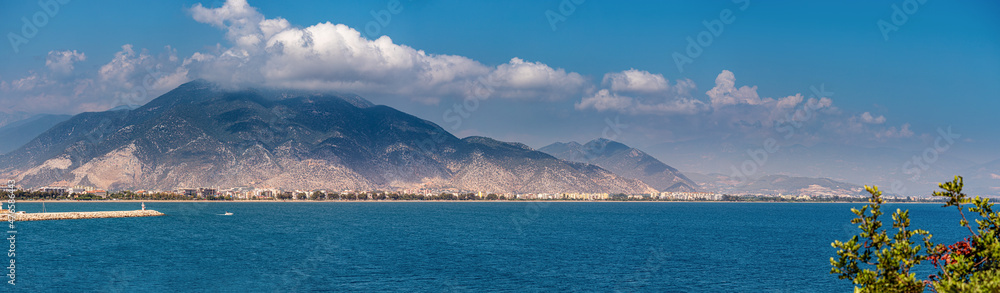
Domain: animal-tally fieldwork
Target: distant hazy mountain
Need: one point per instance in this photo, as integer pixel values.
(16, 134)
(883, 166)
(775, 184)
(624, 161)
(199, 135)
(8, 118)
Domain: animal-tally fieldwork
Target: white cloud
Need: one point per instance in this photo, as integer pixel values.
(790, 101)
(725, 92)
(130, 77)
(29, 82)
(604, 100)
(337, 57)
(733, 110)
(640, 92)
(892, 132)
(329, 56)
(644, 83)
(868, 118)
(136, 78)
(637, 81)
(241, 21)
(274, 53)
(121, 66)
(869, 126)
(521, 79)
(62, 61)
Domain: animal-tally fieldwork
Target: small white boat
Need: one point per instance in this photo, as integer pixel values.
(227, 214)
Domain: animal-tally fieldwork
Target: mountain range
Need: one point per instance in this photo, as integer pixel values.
(623, 160)
(882, 166)
(201, 135)
(18, 133)
(776, 184)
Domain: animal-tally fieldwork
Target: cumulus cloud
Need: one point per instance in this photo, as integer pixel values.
(892, 132)
(243, 23)
(641, 82)
(332, 56)
(130, 77)
(814, 118)
(636, 81)
(867, 117)
(641, 92)
(868, 126)
(729, 109)
(519, 79)
(604, 100)
(135, 78)
(336, 57)
(725, 92)
(272, 52)
(62, 61)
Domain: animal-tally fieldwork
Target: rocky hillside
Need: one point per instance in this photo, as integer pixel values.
(624, 161)
(199, 135)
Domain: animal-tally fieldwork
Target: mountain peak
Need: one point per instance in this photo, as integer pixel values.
(604, 146)
(496, 143)
(200, 90)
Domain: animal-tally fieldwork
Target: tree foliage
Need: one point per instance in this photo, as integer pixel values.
(878, 262)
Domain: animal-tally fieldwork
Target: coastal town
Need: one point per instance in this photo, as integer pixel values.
(63, 191)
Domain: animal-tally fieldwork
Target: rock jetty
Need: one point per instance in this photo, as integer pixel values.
(80, 215)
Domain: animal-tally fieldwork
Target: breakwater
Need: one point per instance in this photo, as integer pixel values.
(80, 215)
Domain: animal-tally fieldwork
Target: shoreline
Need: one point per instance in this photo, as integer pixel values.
(456, 201)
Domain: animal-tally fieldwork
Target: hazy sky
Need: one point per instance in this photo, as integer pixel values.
(863, 73)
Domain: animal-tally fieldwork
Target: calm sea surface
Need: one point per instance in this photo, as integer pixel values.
(446, 246)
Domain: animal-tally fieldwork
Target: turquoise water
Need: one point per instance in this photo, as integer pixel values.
(446, 247)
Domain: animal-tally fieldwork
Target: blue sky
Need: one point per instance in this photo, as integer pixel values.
(940, 67)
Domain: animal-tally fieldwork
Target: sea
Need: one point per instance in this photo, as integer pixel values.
(447, 247)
